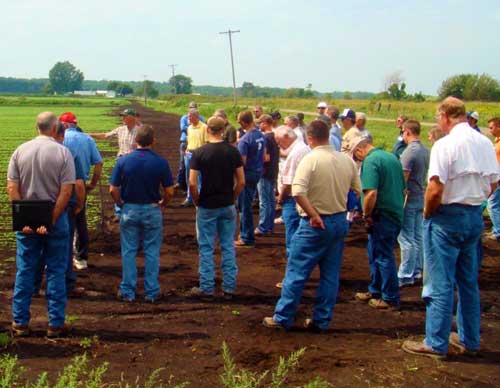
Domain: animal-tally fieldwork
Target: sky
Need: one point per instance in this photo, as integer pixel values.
(331, 44)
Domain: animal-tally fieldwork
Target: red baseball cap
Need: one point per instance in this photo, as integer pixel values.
(68, 117)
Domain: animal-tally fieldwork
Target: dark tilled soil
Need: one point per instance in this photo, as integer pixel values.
(184, 335)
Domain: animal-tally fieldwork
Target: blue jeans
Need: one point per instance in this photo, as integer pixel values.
(311, 247)
(383, 274)
(181, 174)
(450, 258)
(187, 160)
(245, 202)
(267, 209)
(140, 220)
(210, 223)
(291, 219)
(494, 210)
(410, 242)
(31, 250)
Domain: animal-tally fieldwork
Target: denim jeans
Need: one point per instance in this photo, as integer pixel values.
(31, 250)
(291, 219)
(140, 220)
(310, 247)
(187, 160)
(181, 174)
(450, 258)
(410, 242)
(245, 202)
(383, 274)
(267, 210)
(220, 222)
(494, 211)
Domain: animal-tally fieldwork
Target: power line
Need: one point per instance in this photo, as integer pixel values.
(230, 32)
(174, 89)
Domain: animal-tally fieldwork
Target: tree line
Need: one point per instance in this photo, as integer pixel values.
(64, 78)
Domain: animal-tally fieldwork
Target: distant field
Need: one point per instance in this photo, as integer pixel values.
(17, 123)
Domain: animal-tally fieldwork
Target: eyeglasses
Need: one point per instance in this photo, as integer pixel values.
(256, 111)
(320, 107)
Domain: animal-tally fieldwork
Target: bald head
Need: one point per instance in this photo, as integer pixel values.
(46, 122)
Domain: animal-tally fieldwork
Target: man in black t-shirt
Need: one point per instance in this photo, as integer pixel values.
(220, 166)
(267, 182)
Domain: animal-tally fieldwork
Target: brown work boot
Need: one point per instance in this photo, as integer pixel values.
(421, 349)
(58, 331)
(461, 349)
(363, 296)
(270, 323)
(20, 330)
(381, 304)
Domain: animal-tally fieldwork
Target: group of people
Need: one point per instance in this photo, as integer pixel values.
(321, 175)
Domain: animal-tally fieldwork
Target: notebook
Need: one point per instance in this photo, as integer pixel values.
(31, 213)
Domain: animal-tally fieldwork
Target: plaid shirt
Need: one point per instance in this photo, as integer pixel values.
(126, 139)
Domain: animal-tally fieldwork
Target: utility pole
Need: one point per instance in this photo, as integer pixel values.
(229, 32)
(145, 93)
(174, 89)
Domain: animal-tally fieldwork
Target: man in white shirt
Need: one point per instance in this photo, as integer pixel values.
(287, 139)
(463, 172)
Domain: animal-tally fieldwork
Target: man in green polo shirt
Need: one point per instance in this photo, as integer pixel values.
(383, 184)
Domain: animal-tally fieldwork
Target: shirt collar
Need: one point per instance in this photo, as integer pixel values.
(323, 147)
(45, 137)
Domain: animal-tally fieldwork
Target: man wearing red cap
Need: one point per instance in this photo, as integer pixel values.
(84, 146)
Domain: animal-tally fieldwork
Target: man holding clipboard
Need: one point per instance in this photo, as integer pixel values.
(41, 170)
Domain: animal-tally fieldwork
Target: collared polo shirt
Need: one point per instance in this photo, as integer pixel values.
(40, 166)
(325, 176)
(382, 171)
(196, 136)
(466, 164)
(139, 176)
(84, 146)
(126, 139)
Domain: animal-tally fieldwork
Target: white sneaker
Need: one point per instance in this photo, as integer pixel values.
(279, 221)
(80, 264)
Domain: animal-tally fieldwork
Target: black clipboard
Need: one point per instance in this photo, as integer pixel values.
(32, 213)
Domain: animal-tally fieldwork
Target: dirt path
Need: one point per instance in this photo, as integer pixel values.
(184, 336)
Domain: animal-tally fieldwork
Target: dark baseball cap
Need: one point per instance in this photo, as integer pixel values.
(348, 114)
(129, 112)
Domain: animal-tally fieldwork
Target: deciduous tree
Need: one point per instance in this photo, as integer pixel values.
(64, 77)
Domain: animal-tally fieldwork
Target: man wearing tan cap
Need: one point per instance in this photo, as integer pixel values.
(220, 165)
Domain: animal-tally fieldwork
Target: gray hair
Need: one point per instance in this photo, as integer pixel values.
(285, 131)
(46, 121)
(293, 119)
(360, 116)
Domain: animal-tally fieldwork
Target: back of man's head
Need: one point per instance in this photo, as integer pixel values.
(265, 118)
(246, 117)
(333, 112)
(215, 125)
(145, 136)
(453, 107)
(46, 121)
(220, 113)
(413, 126)
(318, 130)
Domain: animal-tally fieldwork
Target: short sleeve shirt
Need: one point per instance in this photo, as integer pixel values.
(466, 164)
(126, 139)
(297, 152)
(271, 167)
(415, 160)
(40, 167)
(382, 171)
(140, 175)
(84, 146)
(196, 136)
(252, 146)
(217, 164)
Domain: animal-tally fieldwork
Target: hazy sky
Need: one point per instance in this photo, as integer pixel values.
(334, 45)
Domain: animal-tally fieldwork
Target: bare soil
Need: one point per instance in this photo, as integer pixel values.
(184, 335)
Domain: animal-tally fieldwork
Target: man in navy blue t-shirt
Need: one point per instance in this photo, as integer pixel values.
(252, 150)
(135, 187)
